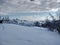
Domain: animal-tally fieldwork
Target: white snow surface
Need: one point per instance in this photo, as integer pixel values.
(22, 35)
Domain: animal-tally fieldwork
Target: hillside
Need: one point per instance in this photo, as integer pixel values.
(22, 35)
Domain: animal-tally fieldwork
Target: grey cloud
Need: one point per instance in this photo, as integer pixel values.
(26, 5)
(1, 2)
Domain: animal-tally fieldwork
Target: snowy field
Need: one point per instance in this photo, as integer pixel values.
(22, 35)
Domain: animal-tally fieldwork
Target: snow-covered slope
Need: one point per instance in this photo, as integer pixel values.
(21, 35)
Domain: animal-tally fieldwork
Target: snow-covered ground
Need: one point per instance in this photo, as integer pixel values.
(22, 35)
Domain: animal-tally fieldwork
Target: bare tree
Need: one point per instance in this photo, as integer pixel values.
(52, 16)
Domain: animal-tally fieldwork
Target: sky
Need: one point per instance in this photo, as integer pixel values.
(9, 7)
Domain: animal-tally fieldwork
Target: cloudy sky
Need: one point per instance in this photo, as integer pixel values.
(12, 6)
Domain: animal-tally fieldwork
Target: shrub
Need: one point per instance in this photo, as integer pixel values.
(37, 24)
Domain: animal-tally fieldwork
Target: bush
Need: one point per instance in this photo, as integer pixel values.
(37, 24)
(52, 25)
